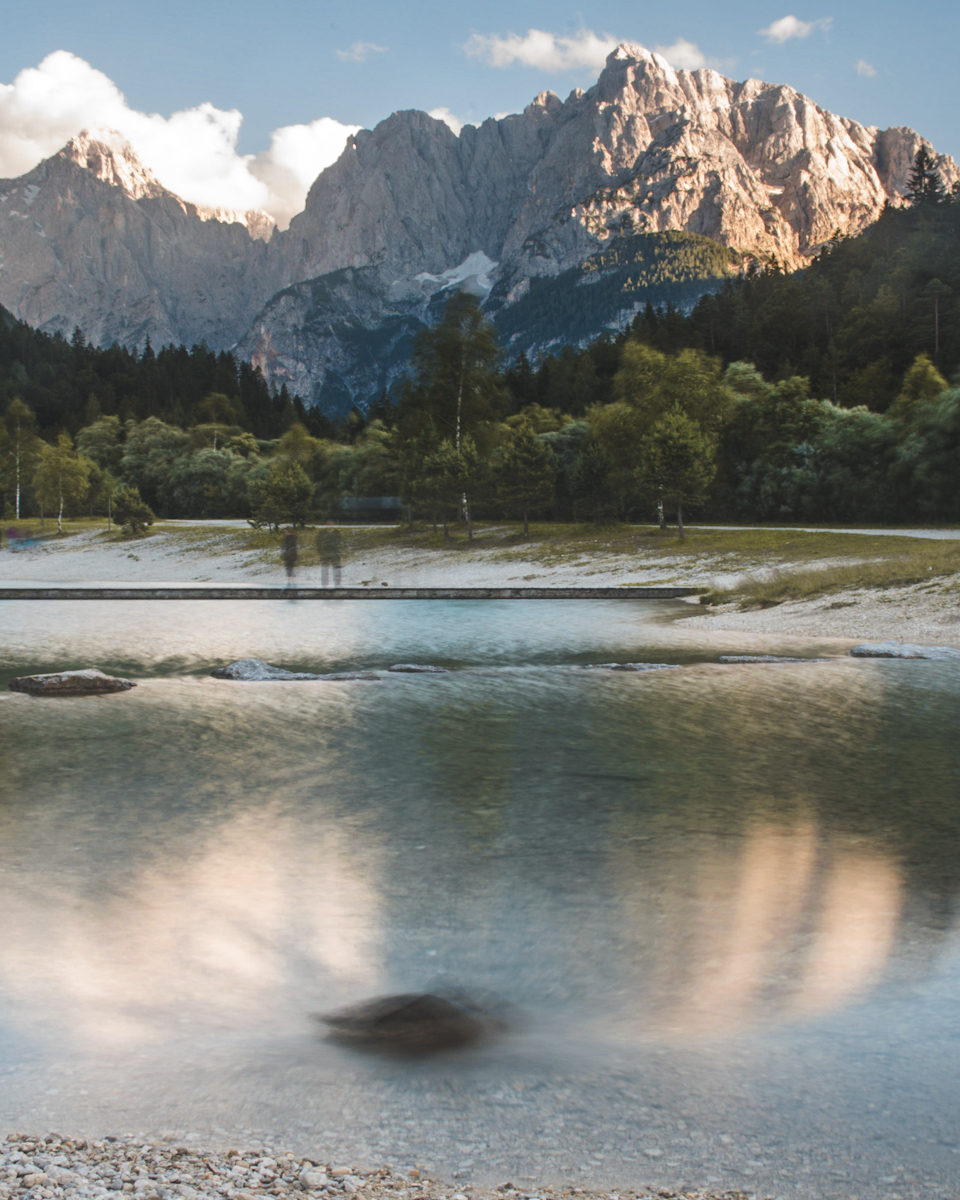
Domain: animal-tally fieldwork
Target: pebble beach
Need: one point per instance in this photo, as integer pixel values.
(56, 1167)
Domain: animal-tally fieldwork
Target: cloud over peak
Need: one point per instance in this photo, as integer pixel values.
(789, 27)
(447, 117)
(585, 51)
(192, 153)
(683, 55)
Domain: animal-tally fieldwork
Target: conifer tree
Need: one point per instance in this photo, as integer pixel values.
(924, 185)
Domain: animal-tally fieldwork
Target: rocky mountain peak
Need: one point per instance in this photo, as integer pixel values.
(112, 160)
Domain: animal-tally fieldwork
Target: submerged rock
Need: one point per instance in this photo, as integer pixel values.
(631, 666)
(88, 682)
(902, 650)
(418, 1022)
(417, 669)
(765, 658)
(255, 670)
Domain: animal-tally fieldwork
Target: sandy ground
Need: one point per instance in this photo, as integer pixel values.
(925, 613)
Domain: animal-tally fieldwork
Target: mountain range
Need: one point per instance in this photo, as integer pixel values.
(564, 219)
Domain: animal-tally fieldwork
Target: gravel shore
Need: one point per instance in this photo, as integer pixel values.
(53, 1167)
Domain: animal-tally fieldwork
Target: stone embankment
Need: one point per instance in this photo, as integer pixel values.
(52, 1167)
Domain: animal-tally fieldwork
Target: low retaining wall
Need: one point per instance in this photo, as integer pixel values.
(346, 593)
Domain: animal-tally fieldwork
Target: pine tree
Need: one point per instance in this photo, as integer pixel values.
(131, 512)
(924, 185)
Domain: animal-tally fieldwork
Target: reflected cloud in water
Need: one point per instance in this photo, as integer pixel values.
(235, 934)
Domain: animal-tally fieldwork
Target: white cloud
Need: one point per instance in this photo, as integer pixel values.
(360, 51)
(865, 70)
(192, 152)
(444, 114)
(548, 51)
(683, 55)
(791, 27)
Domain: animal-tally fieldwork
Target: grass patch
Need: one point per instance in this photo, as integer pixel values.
(554, 544)
(918, 561)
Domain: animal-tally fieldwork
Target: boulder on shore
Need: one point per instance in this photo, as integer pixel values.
(255, 670)
(88, 682)
(902, 650)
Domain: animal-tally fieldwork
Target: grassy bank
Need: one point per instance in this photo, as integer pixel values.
(915, 561)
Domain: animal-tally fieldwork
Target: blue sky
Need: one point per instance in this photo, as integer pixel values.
(290, 62)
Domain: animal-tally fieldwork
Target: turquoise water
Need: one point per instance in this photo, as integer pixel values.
(724, 898)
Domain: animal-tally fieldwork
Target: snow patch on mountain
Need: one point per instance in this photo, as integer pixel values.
(474, 274)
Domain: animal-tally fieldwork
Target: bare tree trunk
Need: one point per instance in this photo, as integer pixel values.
(661, 516)
(109, 512)
(60, 514)
(18, 475)
(526, 525)
(469, 522)
(680, 514)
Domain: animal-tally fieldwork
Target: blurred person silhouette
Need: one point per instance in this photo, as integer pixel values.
(289, 552)
(328, 547)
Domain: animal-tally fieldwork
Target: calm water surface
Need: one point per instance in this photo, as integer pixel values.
(724, 897)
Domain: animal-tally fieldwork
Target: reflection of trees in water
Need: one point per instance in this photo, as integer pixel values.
(790, 822)
(472, 746)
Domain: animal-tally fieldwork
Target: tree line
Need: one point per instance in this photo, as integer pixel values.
(832, 394)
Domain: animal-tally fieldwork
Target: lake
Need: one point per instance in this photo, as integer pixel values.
(724, 898)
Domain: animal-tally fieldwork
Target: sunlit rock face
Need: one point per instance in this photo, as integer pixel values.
(91, 238)
(757, 167)
(329, 306)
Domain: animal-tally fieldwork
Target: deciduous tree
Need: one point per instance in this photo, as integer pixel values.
(677, 461)
(21, 450)
(285, 495)
(526, 474)
(61, 477)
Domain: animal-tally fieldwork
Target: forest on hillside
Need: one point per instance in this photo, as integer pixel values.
(832, 394)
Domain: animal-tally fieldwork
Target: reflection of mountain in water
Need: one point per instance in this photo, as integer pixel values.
(794, 837)
(680, 854)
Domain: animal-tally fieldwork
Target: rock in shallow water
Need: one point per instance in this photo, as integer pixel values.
(765, 658)
(902, 650)
(417, 1022)
(255, 670)
(89, 682)
(417, 669)
(631, 667)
